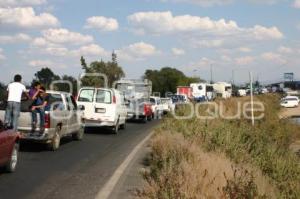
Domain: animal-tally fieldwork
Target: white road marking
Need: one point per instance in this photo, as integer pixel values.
(106, 191)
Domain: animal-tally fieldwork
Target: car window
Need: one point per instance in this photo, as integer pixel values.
(209, 88)
(86, 95)
(152, 100)
(103, 96)
(56, 102)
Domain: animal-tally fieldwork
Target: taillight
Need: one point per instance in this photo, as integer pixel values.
(114, 100)
(47, 121)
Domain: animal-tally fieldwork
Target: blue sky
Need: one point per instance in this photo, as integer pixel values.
(191, 35)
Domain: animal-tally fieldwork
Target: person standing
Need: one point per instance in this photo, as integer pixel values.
(12, 113)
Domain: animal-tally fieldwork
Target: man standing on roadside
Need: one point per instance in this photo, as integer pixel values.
(15, 91)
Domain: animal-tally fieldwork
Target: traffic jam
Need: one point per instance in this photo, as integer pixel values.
(66, 115)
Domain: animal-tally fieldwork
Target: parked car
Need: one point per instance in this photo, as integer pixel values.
(9, 147)
(102, 108)
(289, 102)
(61, 119)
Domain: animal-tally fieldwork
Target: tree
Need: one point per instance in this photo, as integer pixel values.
(111, 70)
(65, 86)
(46, 76)
(167, 79)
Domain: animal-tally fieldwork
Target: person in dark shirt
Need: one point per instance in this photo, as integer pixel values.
(40, 101)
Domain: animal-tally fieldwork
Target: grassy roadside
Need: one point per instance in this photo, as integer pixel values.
(221, 158)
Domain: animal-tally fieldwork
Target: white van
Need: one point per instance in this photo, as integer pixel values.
(290, 102)
(102, 108)
(202, 91)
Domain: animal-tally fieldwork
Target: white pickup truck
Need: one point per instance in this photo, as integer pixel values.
(62, 118)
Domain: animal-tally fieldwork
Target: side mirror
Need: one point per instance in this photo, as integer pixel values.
(81, 107)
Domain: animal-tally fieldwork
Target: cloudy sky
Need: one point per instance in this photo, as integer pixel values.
(231, 36)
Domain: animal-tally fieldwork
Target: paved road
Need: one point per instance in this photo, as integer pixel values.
(77, 170)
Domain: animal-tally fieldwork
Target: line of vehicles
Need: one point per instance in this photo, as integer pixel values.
(66, 115)
(205, 92)
(111, 108)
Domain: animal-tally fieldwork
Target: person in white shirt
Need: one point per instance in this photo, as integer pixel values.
(12, 113)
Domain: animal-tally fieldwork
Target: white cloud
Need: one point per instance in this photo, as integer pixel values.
(91, 50)
(212, 43)
(137, 51)
(2, 56)
(208, 3)
(178, 51)
(285, 50)
(273, 57)
(296, 4)
(63, 36)
(26, 17)
(45, 63)
(204, 3)
(165, 22)
(5, 39)
(102, 23)
(19, 3)
(262, 33)
(159, 23)
(244, 49)
(244, 60)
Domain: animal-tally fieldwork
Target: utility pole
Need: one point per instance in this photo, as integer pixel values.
(232, 77)
(251, 94)
(211, 74)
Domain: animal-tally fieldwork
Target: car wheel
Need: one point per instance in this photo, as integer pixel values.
(144, 119)
(79, 134)
(123, 126)
(115, 129)
(12, 164)
(55, 142)
(149, 118)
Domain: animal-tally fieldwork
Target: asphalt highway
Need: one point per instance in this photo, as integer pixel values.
(79, 169)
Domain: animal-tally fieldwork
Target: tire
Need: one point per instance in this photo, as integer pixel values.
(123, 126)
(115, 129)
(144, 120)
(79, 134)
(149, 118)
(12, 164)
(55, 142)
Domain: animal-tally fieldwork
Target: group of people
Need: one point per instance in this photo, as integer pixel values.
(39, 100)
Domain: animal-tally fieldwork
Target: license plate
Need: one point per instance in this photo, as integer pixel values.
(100, 110)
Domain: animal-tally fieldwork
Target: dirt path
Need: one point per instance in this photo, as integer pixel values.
(290, 112)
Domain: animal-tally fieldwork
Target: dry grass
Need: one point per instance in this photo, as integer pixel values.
(190, 157)
(181, 169)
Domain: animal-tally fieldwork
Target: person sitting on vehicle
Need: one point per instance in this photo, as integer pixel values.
(34, 88)
(41, 100)
(12, 113)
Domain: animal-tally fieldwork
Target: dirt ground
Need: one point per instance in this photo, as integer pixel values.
(290, 112)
